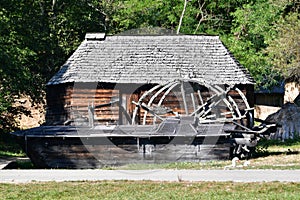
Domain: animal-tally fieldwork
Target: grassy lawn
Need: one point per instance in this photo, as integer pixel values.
(150, 190)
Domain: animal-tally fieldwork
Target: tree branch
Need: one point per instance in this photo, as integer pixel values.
(203, 16)
(181, 17)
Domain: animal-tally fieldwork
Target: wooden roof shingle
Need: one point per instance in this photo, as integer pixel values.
(152, 59)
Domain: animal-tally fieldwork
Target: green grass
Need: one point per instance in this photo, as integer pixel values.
(175, 165)
(149, 190)
(11, 154)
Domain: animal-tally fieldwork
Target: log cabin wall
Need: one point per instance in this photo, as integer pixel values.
(58, 99)
(66, 103)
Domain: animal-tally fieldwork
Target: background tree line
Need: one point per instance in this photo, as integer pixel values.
(37, 36)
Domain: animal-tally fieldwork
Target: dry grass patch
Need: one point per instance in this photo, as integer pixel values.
(276, 162)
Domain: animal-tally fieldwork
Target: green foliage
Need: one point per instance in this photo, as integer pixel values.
(36, 37)
(134, 14)
(252, 28)
(260, 39)
(200, 17)
(284, 51)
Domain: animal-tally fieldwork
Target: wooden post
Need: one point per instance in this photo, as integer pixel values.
(200, 97)
(193, 100)
(124, 117)
(91, 110)
(184, 99)
(120, 110)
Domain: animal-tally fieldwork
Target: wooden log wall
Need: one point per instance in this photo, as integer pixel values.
(67, 103)
(58, 99)
(64, 103)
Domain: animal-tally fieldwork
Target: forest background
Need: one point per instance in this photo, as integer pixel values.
(37, 37)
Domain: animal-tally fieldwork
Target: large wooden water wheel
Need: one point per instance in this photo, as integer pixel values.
(208, 103)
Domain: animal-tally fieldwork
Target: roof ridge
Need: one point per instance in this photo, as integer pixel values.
(156, 36)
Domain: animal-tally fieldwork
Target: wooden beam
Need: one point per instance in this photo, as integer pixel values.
(184, 99)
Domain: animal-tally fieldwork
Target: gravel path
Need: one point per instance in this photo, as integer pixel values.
(25, 176)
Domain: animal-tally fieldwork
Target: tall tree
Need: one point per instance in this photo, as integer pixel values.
(251, 31)
(36, 37)
(284, 51)
(200, 16)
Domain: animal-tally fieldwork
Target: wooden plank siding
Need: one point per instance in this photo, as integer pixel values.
(66, 103)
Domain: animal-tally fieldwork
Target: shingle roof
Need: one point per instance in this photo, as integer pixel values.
(152, 59)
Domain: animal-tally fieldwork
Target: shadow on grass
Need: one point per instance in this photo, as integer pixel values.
(262, 149)
(9, 147)
(20, 164)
